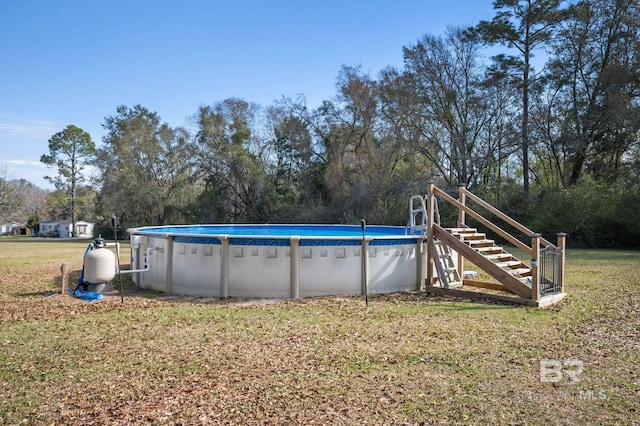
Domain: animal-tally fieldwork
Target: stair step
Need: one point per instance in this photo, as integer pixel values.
(519, 271)
(456, 231)
(504, 256)
(472, 236)
(489, 249)
(509, 263)
(495, 256)
(474, 243)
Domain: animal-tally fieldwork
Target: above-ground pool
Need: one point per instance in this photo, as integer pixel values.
(276, 261)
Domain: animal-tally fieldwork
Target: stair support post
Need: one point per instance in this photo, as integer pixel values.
(535, 267)
(430, 245)
(562, 237)
(462, 198)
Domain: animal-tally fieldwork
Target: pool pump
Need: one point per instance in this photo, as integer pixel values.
(99, 267)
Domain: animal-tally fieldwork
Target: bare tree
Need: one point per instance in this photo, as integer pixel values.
(449, 111)
(595, 72)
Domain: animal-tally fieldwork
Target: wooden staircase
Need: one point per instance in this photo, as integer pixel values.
(512, 273)
(490, 251)
(539, 283)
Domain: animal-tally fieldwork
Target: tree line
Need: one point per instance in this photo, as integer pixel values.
(546, 129)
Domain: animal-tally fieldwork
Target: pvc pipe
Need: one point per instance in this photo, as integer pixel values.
(133, 271)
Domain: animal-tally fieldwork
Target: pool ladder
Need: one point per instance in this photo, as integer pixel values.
(445, 266)
(418, 215)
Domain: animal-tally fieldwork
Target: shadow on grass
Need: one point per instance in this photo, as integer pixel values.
(36, 293)
(74, 277)
(458, 304)
(55, 287)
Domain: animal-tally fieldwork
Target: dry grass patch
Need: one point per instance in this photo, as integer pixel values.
(406, 359)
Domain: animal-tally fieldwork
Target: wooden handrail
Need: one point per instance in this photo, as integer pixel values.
(517, 225)
(516, 242)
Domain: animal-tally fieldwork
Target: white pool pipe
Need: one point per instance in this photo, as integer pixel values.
(145, 269)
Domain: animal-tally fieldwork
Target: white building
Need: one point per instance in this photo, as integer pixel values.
(13, 228)
(62, 229)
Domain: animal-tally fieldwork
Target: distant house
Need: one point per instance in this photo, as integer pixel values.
(50, 228)
(84, 229)
(13, 228)
(62, 229)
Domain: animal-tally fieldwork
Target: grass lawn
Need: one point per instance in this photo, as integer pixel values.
(406, 359)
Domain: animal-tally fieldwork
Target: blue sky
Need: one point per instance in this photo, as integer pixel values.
(74, 61)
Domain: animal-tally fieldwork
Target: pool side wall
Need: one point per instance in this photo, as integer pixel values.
(262, 268)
